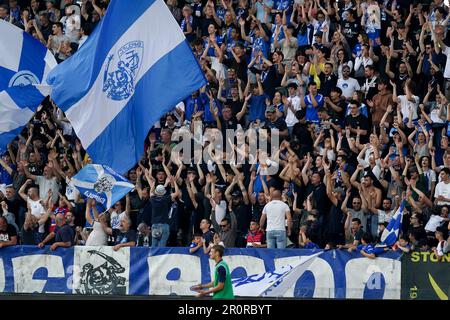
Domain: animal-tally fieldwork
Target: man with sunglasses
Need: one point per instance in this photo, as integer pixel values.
(347, 84)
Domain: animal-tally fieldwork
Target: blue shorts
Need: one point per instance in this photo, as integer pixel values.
(374, 35)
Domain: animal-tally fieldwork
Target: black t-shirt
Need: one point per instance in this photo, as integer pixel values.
(160, 209)
(359, 121)
(8, 233)
(241, 68)
(221, 274)
(204, 23)
(279, 124)
(208, 237)
(64, 234)
(351, 31)
(124, 237)
(145, 213)
(302, 134)
(334, 222)
(320, 198)
(338, 115)
(231, 124)
(327, 83)
(243, 216)
(257, 211)
(35, 169)
(236, 106)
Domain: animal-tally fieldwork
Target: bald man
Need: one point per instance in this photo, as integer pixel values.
(125, 236)
(64, 235)
(278, 216)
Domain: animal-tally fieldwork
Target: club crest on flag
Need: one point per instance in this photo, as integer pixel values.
(102, 184)
(121, 71)
(23, 78)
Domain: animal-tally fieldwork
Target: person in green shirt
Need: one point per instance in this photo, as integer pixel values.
(221, 286)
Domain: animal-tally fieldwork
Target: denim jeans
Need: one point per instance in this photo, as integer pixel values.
(276, 239)
(162, 240)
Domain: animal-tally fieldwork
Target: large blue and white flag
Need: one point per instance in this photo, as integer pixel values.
(274, 283)
(134, 67)
(103, 184)
(24, 65)
(390, 234)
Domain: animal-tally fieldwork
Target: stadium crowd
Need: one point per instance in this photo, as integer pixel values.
(357, 93)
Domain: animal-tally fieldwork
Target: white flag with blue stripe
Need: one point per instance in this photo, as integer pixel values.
(133, 68)
(103, 184)
(274, 283)
(24, 66)
(390, 234)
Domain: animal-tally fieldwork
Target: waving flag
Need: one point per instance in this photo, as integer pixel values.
(390, 234)
(102, 184)
(133, 68)
(274, 283)
(24, 63)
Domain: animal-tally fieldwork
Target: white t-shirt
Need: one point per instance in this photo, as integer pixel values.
(442, 189)
(434, 222)
(98, 236)
(384, 216)
(447, 65)
(45, 185)
(275, 211)
(407, 106)
(291, 120)
(431, 175)
(348, 86)
(38, 211)
(221, 210)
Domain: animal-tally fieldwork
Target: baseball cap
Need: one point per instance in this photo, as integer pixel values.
(318, 34)
(270, 109)
(160, 190)
(339, 190)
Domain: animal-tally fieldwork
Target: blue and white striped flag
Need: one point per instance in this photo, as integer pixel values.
(274, 283)
(24, 64)
(390, 234)
(133, 68)
(103, 184)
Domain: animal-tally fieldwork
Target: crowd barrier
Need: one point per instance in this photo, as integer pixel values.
(335, 274)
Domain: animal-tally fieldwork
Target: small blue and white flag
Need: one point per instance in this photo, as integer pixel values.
(24, 66)
(274, 283)
(390, 234)
(103, 184)
(133, 68)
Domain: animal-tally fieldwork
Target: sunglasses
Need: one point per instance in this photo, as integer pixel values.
(223, 225)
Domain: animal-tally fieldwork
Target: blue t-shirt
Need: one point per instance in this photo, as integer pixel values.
(258, 44)
(211, 52)
(305, 39)
(368, 248)
(208, 116)
(190, 107)
(280, 35)
(5, 177)
(311, 112)
(257, 108)
(311, 245)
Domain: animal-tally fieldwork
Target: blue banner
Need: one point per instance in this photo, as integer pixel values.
(172, 271)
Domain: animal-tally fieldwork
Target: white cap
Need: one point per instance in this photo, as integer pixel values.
(160, 190)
